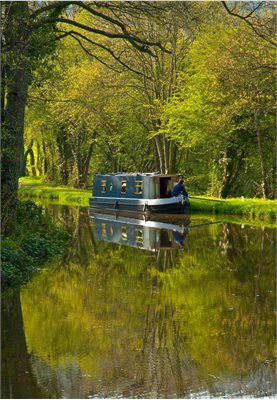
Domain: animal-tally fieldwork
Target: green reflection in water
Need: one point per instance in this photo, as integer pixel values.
(123, 322)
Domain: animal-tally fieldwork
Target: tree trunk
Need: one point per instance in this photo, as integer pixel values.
(165, 154)
(260, 150)
(64, 155)
(78, 160)
(85, 166)
(45, 162)
(53, 161)
(3, 85)
(174, 164)
(160, 154)
(164, 151)
(15, 60)
(156, 155)
(32, 159)
(168, 145)
(39, 163)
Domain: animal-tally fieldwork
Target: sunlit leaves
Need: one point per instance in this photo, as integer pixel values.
(227, 78)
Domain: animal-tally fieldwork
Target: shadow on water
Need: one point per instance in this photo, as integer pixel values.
(154, 309)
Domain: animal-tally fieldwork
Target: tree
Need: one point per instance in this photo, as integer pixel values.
(257, 15)
(156, 82)
(225, 108)
(15, 40)
(90, 110)
(21, 22)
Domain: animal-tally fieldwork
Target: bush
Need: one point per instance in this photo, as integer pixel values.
(16, 265)
(34, 241)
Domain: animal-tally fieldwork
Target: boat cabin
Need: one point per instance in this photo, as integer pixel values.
(134, 185)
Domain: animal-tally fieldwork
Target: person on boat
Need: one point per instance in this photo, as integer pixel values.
(179, 189)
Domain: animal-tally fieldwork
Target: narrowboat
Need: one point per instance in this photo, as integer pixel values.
(137, 192)
(151, 235)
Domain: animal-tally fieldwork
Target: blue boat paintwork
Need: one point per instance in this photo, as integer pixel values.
(115, 180)
(154, 198)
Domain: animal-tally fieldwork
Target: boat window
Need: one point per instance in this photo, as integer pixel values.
(111, 187)
(124, 233)
(103, 186)
(138, 187)
(123, 186)
(139, 235)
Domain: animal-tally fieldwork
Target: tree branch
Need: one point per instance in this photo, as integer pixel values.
(93, 55)
(117, 58)
(245, 18)
(254, 9)
(137, 42)
(54, 5)
(131, 37)
(110, 35)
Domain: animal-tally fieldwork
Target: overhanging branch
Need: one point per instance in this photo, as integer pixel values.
(143, 45)
(245, 18)
(130, 37)
(73, 34)
(87, 28)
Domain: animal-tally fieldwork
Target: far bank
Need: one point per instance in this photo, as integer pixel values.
(35, 188)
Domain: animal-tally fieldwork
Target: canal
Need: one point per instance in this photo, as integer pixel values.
(172, 309)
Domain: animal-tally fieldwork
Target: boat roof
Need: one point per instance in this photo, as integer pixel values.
(137, 174)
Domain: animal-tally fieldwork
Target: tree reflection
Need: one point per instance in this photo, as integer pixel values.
(166, 324)
(16, 371)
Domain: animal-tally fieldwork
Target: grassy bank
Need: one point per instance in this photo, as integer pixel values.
(250, 208)
(35, 188)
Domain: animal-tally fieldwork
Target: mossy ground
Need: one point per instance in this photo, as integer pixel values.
(264, 210)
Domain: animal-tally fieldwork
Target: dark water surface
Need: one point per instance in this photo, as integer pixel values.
(189, 314)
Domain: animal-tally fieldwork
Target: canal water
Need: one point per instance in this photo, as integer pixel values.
(179, 308)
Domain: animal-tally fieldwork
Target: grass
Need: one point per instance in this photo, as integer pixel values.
(35, 188)
(264, 210)
(250, 208)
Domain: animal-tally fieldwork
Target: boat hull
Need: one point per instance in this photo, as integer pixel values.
(173, 205)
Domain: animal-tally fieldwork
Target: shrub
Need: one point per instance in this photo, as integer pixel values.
(34, 241)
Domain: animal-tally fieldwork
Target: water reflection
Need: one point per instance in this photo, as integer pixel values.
(118, 321)
(15, 375)
(148, 234)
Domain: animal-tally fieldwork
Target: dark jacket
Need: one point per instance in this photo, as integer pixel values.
(179, 189)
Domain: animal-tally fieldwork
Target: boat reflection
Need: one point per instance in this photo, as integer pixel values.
(152, 234)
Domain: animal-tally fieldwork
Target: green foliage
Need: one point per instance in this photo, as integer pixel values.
(16, 265)
(207, 109)
(34, 241)
(222, 107)
(83, 114)
(42, 247)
